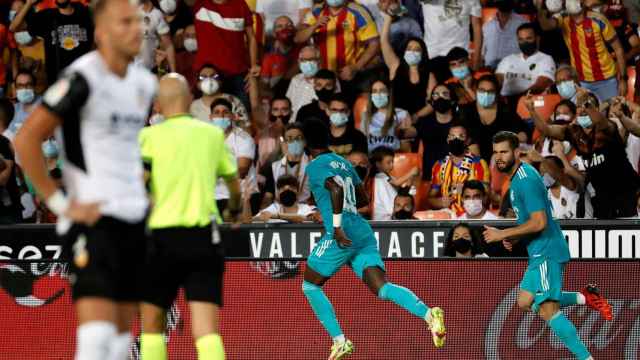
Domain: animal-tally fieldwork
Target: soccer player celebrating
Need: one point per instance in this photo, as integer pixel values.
(97, 108)
(541, 286)
(184, 158)
(348, 239)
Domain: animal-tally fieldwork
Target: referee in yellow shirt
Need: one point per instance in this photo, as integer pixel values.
(184, 157)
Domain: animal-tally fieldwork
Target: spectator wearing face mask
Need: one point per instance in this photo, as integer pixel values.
(292, 9)
(587, 35)
(462, 242)
(26, 102)
(10, 209)
(28, 51)
(529, 71)
(287, 206)
(279, 62)
(210, 85)
(567, 82)
(187, 54)
(243, 148)
(383, 123)
(324, 84)
(384, 186)
(156, 37)
(475, 201)
(177, 16)
(67, 31)
(449, 174)
(294, 162)
(563, 191)
(271, 131)
(462, 80)
(301, 89)
(499, 34)
(434, 128)
(344, 138)
(403, 206)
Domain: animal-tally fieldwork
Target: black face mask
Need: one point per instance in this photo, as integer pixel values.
(288, 198)
(362, 171)
(442, 106)
(284, 119)
(324, 95)
(528, 48)
(403, 215)
(505, 6)
(457, 147)
(461, 245)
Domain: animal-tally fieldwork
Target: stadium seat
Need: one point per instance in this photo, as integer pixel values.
(443, 214)
(359, 107)
(422, 194)
(404, 162)
(545, 105)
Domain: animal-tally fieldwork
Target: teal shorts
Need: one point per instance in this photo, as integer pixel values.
(327, 257)
(544, 281)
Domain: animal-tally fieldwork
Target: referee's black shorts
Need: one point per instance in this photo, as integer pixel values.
(184, 257)
(106, 259)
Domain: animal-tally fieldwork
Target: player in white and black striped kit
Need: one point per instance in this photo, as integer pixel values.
(96, 110)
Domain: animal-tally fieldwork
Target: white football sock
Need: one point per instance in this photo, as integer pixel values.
(119, 346)
(580, 299)
(93, 340)
(339, 339)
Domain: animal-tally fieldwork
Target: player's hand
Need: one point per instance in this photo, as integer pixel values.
(492, 234)
(84, 213)
(508, 245)
(341, 238)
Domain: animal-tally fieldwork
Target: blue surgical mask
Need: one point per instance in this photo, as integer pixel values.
(50, 149)
(335, 3)
(12, 15)
(584, 121)
(23, 37)
(339, 119)
(295, 148)
(221, 122)
(309, 68)
(412, 57)
(25, 96)
(461, 72)
(567, 89)
(486, 99)
(380, 100)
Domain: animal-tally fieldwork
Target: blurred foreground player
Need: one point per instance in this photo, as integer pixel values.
(541, 286)
(183, 158)
(97, 109)
(348, 240)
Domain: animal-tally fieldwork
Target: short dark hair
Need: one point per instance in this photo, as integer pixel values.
(475, 185)
(490, 78)
(568, 103)
(28, 73)
(325, 74)
(508, 136)
(208, 66)
(223, 102)
(378, 154)
(528, 26)
(6, 112)
(316, 133)
(556, 160)
(280, 98)
(287, 180)
(405, 192)
(457, 53)
(340, 98)
(294, 126)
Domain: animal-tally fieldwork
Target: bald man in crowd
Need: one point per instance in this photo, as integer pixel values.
(183, 158)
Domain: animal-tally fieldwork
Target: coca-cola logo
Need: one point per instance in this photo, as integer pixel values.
(512, 333)
(19, 281)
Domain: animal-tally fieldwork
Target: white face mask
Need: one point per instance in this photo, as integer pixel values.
(168, 6)
(209, 86)
(573, 7)
(190, 44)
(473, 207)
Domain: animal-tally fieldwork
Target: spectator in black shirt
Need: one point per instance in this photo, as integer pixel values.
(324, 84)
(343, 137)
(10, 208)
(487, 116)
(67, 32)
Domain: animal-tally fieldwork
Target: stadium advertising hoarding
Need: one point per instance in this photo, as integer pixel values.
(396, 240)
(264, 318)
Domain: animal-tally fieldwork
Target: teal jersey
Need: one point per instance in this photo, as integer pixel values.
(528, 194)
(331, 165)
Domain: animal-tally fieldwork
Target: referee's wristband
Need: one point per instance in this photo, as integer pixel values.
(337, 220)
(58, 203)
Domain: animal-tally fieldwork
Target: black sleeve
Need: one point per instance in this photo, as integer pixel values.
(67, 96)
(360, 142)
(38, 23)
(269, 184)
(5, 148)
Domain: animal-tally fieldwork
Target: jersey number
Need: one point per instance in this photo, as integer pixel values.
(349, 199)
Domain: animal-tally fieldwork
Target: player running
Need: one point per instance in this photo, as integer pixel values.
(348, 240)
(97, 109)
(541, 286)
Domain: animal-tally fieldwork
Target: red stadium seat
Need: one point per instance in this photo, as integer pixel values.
(422, 194)
(631, 83)
(444, 214)
(545, 105)
(404, 162)
(359, 107)
(488, 13)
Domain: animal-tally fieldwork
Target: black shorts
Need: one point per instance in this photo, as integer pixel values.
(107, 259)
(184, 257)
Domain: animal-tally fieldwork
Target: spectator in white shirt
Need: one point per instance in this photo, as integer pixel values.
(287, 207)
(243, 148)
(384, 185)
(529, 71)
(563, 191)
(301, 91)
(270, 10)
(156, 32)
(499, 34)
(475, 201)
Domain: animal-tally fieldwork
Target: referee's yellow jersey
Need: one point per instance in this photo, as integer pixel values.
(186, 157)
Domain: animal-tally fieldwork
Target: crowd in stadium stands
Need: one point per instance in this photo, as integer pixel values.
(411, 91)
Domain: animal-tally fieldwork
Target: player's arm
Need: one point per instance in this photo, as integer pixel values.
(536, 223)
(337, 201)
(228, 171)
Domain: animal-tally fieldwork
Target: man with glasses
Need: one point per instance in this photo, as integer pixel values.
(344, 138)
(27, 102)
(301, 88)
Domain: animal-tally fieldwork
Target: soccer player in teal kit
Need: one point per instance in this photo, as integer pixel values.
(541, 286)
(348, 240)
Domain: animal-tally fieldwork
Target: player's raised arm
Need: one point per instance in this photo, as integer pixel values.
(337, 201)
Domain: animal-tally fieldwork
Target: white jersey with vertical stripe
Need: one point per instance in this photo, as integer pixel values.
(101, 115)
